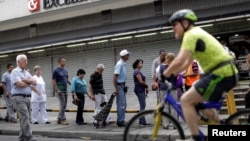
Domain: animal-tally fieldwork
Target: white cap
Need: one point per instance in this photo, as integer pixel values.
(124, 52)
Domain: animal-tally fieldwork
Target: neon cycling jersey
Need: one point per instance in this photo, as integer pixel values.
(207, 51)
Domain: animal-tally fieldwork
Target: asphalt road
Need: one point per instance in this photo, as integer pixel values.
(40, 138)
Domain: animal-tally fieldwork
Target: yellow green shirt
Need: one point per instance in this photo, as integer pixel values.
(207, 50)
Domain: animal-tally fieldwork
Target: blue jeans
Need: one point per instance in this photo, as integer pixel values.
(142, 102)
(121, 104)
(63, 98)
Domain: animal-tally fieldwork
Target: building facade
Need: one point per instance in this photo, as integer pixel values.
(89, 32)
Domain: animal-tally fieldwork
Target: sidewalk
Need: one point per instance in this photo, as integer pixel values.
(111, 132)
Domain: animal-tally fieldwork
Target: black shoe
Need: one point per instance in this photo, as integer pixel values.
(81, 123)
(120, 124)
(47, 122)
(36, 122)
(144, 124)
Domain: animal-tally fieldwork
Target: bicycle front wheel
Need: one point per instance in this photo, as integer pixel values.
(136, 132)
(239, 118)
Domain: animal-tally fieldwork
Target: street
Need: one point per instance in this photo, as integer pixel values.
(41, 138)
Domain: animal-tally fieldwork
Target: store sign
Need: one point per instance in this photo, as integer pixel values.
(47, 4)
(34, 5)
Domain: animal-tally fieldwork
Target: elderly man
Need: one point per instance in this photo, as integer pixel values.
(97, 91)
(22, 83)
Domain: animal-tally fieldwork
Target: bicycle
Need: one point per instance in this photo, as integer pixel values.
(133, 131)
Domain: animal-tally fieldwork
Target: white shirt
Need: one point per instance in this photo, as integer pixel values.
(40, 87)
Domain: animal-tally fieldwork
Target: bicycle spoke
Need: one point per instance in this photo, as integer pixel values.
(136, 132)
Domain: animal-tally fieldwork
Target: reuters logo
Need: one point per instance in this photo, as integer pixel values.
(33, 5)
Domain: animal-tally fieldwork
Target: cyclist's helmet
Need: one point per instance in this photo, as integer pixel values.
(184, 14)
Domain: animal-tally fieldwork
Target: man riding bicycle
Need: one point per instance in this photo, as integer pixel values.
(221, 75)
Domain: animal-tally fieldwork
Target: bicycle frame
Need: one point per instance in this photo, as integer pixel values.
(177, 107)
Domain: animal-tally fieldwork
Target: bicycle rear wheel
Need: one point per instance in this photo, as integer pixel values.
(135, 132)
(239, 118)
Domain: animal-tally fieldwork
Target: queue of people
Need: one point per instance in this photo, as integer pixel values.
(28, 91)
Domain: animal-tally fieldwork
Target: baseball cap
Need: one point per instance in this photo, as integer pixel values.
(124, 52)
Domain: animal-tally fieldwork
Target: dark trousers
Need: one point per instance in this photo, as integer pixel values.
(142, 102)
(80, 107)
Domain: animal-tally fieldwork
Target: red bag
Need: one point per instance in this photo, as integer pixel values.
(154, 85)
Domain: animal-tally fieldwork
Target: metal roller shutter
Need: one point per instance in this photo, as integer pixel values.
(88, 60)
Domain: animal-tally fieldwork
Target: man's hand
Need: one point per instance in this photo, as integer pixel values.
(7, 95)
(92, 97)
(59, 93)
(115, 92)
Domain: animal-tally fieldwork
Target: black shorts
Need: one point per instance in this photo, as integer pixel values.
(211, 87)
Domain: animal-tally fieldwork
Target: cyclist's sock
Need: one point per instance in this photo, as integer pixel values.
(197, 138)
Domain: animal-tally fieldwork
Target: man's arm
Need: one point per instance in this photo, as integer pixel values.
(6, 93)
(55, 85)
(68, 81)
(115, 83)
(92, 95)
(153, 68)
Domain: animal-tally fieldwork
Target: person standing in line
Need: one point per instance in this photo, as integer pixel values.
(157, 61)
(78, 90)
(6, 84)
(140, 88)
(38, 98)
(169, 57)
(119, 81)
(97, 91)
(22, 83)
(60, 81)
(191, 75)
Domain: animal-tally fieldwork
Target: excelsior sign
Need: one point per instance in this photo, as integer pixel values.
(47, 4)
(34, 5)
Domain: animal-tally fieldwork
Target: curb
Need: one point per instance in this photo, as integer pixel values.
(101, 135)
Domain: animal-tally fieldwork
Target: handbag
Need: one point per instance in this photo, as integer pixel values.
(75, 102)
(154, 85)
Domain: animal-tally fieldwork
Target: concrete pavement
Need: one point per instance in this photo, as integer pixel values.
(111, 132)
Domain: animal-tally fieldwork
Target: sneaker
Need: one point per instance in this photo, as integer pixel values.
(59, 122)
(36, 122)
(47, 122)
(120, 124)
(12, 121)
(64, 122)
(143, 124)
